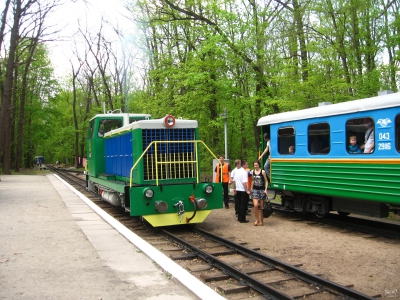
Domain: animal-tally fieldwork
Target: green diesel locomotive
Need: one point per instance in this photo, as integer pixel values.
(150, 167)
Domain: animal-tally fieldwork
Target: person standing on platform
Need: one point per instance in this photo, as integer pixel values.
(249, 179)
(259, 192)
(233, 174)
(223, 174)
(240, 177)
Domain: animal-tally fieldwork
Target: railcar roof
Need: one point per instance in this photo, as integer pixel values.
(378, 102)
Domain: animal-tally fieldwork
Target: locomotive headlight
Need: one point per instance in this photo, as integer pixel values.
(148, 193)
(208, 189)
(161, 206)
(201, 203)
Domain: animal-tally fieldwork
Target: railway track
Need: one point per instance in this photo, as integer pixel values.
(242, 269)
(233, 269)
(350, 224)
(357, 224)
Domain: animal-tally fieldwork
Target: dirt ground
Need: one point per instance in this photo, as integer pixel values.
(372, 265)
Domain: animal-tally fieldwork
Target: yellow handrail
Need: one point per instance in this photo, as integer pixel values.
(157, 163)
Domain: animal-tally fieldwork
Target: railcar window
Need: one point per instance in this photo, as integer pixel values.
(107, 125)
(360, 135)
(398, 133)
(319, 138)
(286, 139)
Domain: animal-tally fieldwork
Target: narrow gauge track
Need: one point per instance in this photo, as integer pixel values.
(371, 228)
(69, 175)
(248, 272)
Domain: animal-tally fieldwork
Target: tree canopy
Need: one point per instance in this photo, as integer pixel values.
(191, 59)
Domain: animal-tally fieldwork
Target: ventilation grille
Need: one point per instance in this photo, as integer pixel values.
(172, 157)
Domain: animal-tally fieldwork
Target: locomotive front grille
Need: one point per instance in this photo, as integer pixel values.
(173, 156)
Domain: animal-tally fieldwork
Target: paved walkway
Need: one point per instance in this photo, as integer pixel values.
(54, 246)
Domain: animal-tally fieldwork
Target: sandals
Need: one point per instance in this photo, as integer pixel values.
(255, 223)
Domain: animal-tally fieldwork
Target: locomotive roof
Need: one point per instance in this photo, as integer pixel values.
(367, 104)
(154, 124)
(146, 116)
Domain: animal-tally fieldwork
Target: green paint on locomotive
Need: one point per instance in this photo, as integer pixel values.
(172, 175)
(340, 178)
(172, 194)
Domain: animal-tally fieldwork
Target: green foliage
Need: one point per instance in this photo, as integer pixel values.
(248, 57)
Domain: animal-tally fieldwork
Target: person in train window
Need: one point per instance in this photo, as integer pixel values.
(354, 147)
(369, 142)
(291, 149)
(316, 145)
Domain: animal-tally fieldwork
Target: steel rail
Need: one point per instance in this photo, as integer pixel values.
(302, 274)
(243, 278)
(349, 223)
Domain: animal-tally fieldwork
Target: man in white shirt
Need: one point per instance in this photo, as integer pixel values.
(240, 178)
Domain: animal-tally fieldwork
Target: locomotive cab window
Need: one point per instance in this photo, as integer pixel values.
(286, 140)
(360, 135)
(319, 138)
(91, 129)
(107, 125)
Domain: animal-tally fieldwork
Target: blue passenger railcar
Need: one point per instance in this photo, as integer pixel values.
(326, 172)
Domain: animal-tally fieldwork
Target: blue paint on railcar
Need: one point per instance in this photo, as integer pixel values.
(384, 134)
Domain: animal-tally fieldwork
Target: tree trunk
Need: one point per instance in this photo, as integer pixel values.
(76, 124)
(5, 137)
(24, 89)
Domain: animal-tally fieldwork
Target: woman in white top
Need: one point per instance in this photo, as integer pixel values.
(258, 191)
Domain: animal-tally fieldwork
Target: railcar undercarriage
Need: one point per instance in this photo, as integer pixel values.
(320, 205)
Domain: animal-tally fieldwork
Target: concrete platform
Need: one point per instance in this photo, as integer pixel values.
(54, 244)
